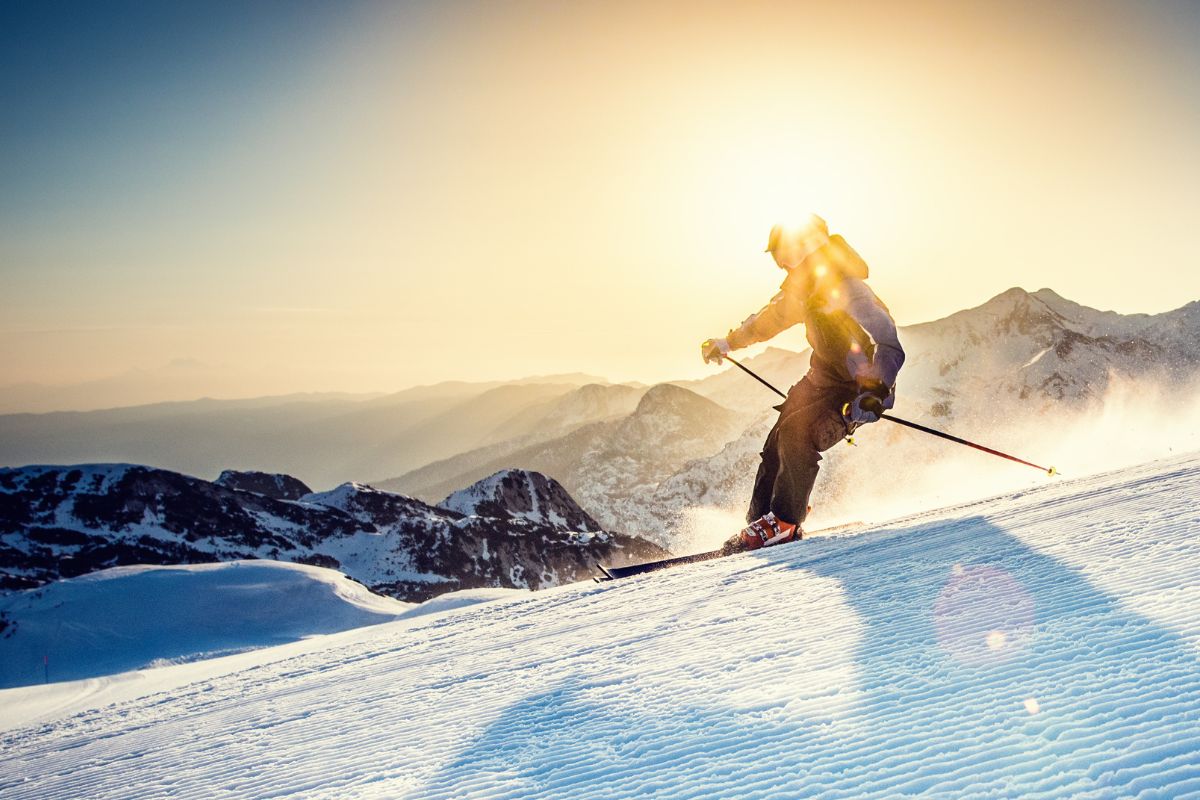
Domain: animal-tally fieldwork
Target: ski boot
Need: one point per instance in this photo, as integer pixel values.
(763, 532)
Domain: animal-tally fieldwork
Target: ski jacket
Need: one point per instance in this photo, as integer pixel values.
(850, 330)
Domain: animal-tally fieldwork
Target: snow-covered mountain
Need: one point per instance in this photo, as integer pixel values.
(1030, 351)
(58, 522)
(1041, 644)
(520, 494)
(1038, 351)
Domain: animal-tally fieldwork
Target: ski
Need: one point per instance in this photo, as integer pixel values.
(613, 573)
(616, 573)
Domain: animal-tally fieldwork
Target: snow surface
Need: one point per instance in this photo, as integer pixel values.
(1043, 644)
(127, 618)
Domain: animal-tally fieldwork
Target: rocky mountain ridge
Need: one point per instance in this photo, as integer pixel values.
(275, 485)
(67, 521)
(521, 494)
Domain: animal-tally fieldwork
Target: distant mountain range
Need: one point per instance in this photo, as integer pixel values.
(323, 441)
(609, 465)
(517, 529)
(181, 379)
(184, 379)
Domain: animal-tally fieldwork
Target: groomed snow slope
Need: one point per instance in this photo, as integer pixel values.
(128, 618)
(1045, 644)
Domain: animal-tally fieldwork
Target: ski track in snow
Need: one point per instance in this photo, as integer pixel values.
(1044, 644)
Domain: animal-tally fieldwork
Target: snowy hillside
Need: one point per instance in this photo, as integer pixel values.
(67, 521)
(1043, 644)
(128, 618)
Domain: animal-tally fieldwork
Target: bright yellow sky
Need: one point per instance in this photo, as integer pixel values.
(492, 190)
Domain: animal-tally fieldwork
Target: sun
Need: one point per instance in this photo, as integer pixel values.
(752, 176)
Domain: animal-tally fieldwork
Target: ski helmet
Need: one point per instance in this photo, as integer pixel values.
(814, 225)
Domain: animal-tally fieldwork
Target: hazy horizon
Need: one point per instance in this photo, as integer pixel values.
(210, 378)
(368, 197)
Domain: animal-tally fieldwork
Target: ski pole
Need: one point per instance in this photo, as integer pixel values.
(756, 376)
(913, 425)
(951, 438)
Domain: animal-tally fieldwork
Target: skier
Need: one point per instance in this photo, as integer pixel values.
(851, 380)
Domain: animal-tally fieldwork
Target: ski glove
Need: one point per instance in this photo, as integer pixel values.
(868, 406)
(714, 350)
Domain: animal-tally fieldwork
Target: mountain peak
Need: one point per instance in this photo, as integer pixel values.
(268, 484)
(521, 494)
(1008, 300)
(352, 496)
(1049, 295)
(1012, 309)
(670, 398)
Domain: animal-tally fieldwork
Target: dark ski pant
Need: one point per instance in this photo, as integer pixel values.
(810, 422)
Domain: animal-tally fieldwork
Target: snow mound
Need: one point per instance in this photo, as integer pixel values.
(1041, 644)
(129, 618)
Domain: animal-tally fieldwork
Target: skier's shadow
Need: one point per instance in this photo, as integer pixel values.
(980, 666)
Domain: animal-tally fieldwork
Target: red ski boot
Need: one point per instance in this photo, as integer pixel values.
(763, 532)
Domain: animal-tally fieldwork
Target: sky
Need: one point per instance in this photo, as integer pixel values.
(367, 196)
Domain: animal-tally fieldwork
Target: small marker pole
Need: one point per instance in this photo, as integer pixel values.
(46, 666)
